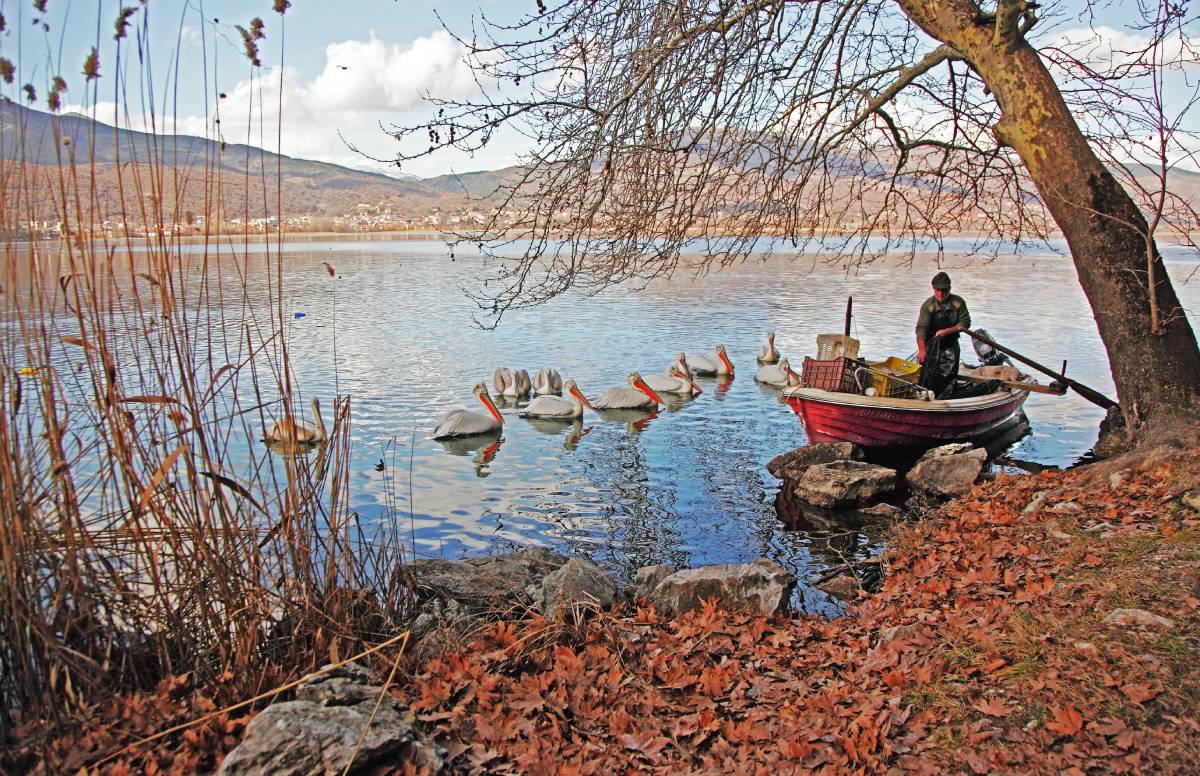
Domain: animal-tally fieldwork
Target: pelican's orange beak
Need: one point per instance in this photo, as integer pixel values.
(725, 360)
(491, 405)
(576, 393)
(695, 389)
(641, 385)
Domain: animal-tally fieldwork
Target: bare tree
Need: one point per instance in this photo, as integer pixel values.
(662, 131)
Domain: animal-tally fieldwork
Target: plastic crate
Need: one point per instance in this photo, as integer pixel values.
(895, 377)
(831, 346)
(836, 374)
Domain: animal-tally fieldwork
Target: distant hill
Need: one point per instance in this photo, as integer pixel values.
(189, 168)
(197, 176)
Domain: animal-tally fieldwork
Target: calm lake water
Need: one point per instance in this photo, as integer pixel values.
(685, 488)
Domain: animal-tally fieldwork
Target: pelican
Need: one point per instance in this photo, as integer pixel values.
(460, 422)
(780, 374)
(558, 407)
(511, 382)
(292, 431)
(675, 381)
(719, 364)
(681, 364)
(547, 382)
(767, 354)
(637, 396)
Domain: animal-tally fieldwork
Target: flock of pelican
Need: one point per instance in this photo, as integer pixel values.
(557, 399)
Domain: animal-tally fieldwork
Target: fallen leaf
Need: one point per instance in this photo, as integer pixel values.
(1066, 721)
(1139, 693)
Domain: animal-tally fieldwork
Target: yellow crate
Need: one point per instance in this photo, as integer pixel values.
(894, 376)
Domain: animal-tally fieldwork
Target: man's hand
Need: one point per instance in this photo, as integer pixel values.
(943, 332)
(921, 354)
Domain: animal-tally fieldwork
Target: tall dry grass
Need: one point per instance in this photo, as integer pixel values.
(147, 531)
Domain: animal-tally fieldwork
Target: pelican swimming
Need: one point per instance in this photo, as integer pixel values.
(461, 422)
(547, 382)
(637, 396)
(767, 354)
(559, 407)
(675, 381)
(292, 431)
(511, 382)
(681, 364)
(718, 364)
(780, 374)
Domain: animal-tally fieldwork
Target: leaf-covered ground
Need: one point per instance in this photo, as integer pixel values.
(985, 652)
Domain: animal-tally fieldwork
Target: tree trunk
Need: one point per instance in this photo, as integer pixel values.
(1157, 376)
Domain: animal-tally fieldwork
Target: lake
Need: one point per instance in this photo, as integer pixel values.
(688, 487)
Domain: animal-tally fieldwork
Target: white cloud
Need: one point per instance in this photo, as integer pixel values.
(1106, 48)
(362, 84)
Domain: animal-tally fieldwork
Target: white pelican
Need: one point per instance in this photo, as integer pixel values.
(780, 374)
(681, 364)
(767, 354)
(559, 407)
(675, 381)
(718, 364)
(460, 422)
(547, 382)
(292, 431)
(637, 396)
(511, 382)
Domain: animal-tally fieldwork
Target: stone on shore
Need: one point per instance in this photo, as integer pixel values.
(792, 464)
(1138, 617)
(646, 579)
(946, 475)
(479, 585)
(574, 589)
(761, 587)
(845, 484)
(319, 733)
(843, 588)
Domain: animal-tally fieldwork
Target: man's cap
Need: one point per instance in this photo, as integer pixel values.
(942, 281)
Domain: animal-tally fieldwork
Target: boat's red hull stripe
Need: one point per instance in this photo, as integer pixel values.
(886, 427)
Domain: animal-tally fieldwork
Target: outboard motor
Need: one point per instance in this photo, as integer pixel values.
(988, 355)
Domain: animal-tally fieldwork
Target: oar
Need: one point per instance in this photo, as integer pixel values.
(1091, 394)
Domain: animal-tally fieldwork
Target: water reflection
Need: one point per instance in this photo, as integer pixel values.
(636, 421)
(480, 447)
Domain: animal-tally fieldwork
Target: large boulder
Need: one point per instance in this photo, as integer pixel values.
(320, 732)
(845, 484)
(793, 463)
(574, 588)
(946, 476)
(485, 584)
(761, 587)
(646, 579)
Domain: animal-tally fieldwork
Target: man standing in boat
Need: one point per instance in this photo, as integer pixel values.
(942, 317)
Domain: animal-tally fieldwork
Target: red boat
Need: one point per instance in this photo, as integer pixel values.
(893, 423)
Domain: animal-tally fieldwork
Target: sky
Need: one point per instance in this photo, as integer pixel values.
(341, 70)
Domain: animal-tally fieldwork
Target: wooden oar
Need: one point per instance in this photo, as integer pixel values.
(1035, 387)
(1091, 394)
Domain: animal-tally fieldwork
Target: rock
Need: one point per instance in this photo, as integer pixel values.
(947, 476)
(1066, 508)
(1086, 648)
(1117, 479)
(1113, 438)
(955, 448)
(1192, 499)
(761, 587)
(345, 685)
(320, 731)
(882, 509)
(1034, 505)
(844, 587)
(802, 457)
(844, 484)
(646, 579)
(1138, 617)
(485, 584)
(574, 588)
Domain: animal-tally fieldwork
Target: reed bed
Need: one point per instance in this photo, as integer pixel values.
(147, 530)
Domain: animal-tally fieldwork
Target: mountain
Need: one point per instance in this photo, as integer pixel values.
(190, 171)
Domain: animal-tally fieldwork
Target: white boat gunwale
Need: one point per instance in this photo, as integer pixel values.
(1001, 396)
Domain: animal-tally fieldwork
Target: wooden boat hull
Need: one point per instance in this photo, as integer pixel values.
(880, 422)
